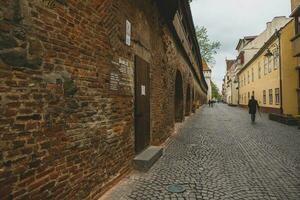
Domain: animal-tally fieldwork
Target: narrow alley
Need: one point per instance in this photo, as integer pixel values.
(222, 156)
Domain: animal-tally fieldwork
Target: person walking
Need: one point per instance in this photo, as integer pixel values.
(209, 102)
(253, 107)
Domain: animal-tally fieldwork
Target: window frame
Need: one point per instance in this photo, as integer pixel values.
(271, 97)
(264, 97)
(248, 73)
(270, 64)
(265, 66)
(276, 59)
(277, 96)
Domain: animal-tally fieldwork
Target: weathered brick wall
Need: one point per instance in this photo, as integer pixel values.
(64, 134)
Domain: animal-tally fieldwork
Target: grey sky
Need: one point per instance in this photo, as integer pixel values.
(229, 20)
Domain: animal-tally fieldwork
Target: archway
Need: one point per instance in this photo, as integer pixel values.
(188, 101)
(178, 97)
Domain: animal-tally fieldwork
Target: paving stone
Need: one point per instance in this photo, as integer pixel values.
(218, 154)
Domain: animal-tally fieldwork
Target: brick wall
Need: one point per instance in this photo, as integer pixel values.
(65, 131)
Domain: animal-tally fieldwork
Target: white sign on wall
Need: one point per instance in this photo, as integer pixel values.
(128, 33)
(143, 90)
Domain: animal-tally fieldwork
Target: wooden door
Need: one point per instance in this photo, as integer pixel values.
(142, 105)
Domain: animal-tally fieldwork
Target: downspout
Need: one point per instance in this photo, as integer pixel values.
(280, 71)
(238, 80)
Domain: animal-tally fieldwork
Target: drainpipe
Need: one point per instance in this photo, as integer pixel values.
(280, 71)
(238, 82)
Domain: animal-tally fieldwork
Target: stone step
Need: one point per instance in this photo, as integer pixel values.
(144, 161)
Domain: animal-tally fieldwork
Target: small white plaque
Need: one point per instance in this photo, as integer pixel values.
(143, 90)
(128, 33)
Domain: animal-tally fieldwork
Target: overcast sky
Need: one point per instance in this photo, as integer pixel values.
(229, 20)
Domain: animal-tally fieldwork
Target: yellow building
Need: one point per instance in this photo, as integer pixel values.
(289, 75)
(271, 71)
(296, 42)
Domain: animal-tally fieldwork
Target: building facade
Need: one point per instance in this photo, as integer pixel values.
(246, 48)
(270, 75)
(260, 78)
(296, 42)
(228, 86)
(207, 74)
(85, 86)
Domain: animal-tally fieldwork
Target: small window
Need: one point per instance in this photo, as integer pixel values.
(277, 96)
(276, 59)
(264, 97)
(252, 75)
(265, 66)
(248, 96)
(248, 77)
(270, 96)
(269, 64)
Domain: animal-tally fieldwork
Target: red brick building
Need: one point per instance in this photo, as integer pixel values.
(85, 86)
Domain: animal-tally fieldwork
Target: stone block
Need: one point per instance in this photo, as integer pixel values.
(284, 119)
(145, 160)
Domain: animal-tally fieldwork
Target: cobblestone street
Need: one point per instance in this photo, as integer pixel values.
(219, 154)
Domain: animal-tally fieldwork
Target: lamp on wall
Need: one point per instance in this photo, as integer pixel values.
(268, 53)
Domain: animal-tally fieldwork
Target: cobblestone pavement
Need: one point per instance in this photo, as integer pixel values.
(219, 154)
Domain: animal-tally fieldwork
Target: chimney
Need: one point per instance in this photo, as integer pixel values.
(269, 25)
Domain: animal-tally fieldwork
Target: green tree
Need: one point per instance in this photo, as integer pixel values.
(208, 48)
(215, 91)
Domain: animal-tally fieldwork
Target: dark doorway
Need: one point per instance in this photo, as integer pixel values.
(178, 98)
(188, 101)
(142, 105)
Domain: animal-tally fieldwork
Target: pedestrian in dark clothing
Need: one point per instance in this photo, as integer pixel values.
(209, 102)
(253, 106)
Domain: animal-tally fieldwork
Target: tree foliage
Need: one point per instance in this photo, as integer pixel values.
(208, 48)
(215, 91)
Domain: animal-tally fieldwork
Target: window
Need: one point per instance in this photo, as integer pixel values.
(270, 96)
(248, 96)
(277, 96)
(241, 81)
(265, 65)
(244, 79)
(265, 96)
(259, 70)
(252, 75)
(269, 64)
(276, 59)
(248, 77)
